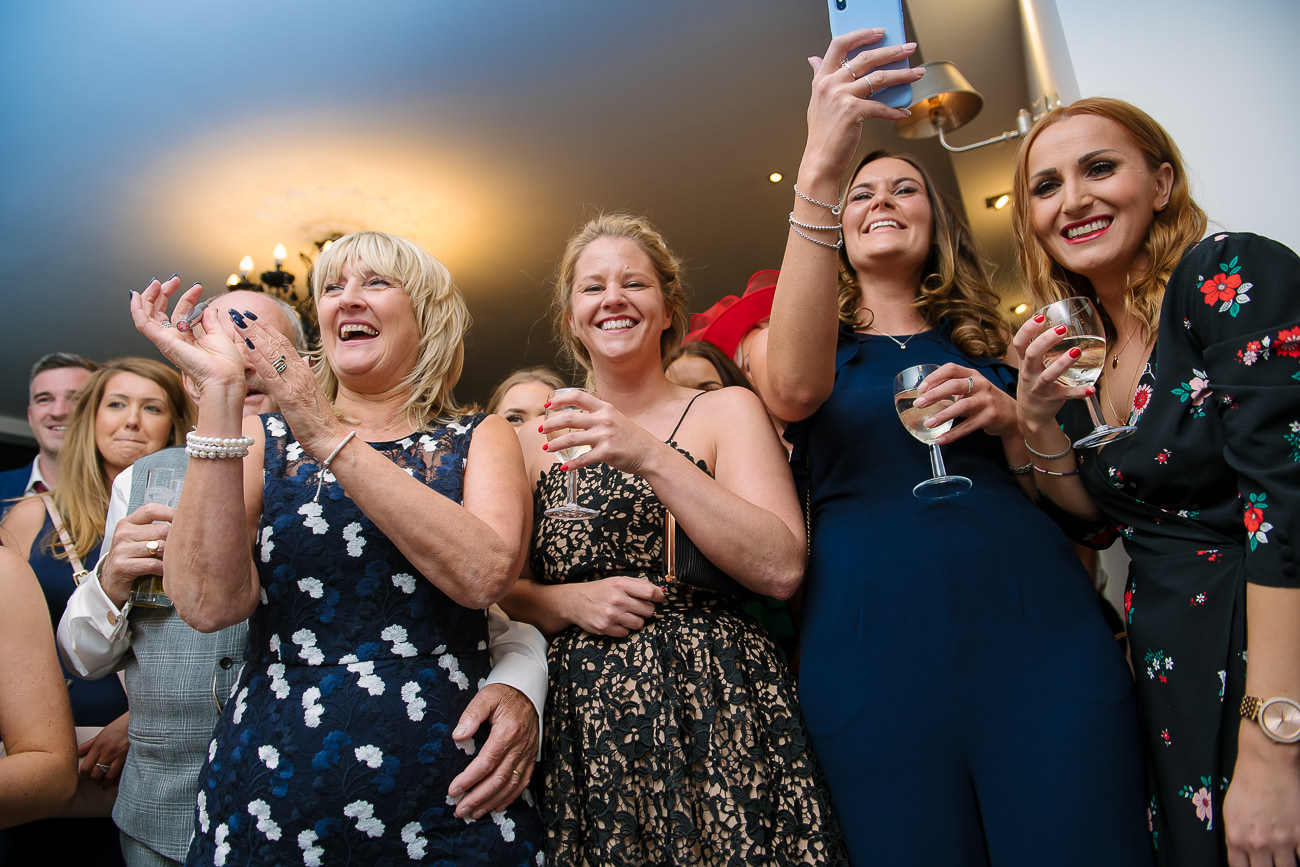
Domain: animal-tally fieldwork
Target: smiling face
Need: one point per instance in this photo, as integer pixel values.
(369, 333)
(524, 403)
(617, 307)
(133, 419)
(53, 396)
(1093, 197)
(887, 217)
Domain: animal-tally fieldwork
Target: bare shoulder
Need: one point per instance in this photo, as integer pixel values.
(19, 587)
(21, 525)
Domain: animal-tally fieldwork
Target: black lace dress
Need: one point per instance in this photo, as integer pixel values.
(682, 743)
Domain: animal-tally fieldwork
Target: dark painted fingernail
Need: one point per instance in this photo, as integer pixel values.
(237, 319)
(250, 315)
(174, 276)
(153, 280)
(195, 283)
(250, 343)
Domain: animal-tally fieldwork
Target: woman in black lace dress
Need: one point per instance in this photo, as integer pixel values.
(672, 731)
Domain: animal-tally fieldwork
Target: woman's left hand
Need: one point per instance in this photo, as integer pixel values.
(614, 439)
(288, 379)
(979, 404)
(1261, 812)
(106, 749)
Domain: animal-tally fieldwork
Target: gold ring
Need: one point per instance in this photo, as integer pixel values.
(515, 773)
(152, 547)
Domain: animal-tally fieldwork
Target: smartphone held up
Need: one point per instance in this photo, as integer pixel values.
(849, 15)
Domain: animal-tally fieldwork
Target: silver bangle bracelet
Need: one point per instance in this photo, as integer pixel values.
(1022, 470)
(1069, 447)
(835, 209)
(832, 228)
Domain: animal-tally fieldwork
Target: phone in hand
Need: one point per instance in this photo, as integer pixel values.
(850, 15)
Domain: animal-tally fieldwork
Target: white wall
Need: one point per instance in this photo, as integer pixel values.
(1223, 78)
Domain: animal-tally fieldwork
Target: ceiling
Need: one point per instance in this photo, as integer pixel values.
(142, 138)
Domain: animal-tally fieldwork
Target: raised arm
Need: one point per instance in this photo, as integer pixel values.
(801, 345)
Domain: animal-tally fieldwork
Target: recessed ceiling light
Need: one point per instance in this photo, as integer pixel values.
(998, 202)
(1020, 309)
(775, 177)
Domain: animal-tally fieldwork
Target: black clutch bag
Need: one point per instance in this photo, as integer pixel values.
(684, 564)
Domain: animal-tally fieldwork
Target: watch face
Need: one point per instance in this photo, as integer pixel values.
(1281, 717)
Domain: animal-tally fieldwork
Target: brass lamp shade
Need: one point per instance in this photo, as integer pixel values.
(943, 98)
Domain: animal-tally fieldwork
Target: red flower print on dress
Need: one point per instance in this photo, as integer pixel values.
(1163, 457)
(1253, 517)
(1288, 343)
(1221, 287)
(1141, 400)
(1164, 736)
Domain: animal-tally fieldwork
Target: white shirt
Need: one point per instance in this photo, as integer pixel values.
(86, 642)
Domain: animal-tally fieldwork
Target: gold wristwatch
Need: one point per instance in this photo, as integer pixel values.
(1278, 718)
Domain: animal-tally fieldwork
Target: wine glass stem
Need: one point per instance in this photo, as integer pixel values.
(573, 488)
(937, 469)
(1094, 410)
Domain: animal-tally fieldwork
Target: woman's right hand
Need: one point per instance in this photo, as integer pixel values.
(616, 606)
(129, 557)
(204, 353)
(841, 102)
(1040, 394)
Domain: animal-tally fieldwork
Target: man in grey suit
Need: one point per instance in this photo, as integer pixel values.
(177, 679)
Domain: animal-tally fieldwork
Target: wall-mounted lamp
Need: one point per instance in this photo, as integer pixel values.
(944, 101)
(998, 202)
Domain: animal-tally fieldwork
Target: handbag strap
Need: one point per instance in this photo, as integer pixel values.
(78, 570)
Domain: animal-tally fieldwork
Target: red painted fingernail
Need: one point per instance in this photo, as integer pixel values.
(545, 446)
(1090, 391)
(539, 428)
(564, 467)
(1040, 318)
(546, 405)
(1061, 329)
(1075, 352)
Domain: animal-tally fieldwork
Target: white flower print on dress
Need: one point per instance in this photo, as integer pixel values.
(267, 545)
(240, 706)
(313, 587)
(506, 824)
(279, 685)
(352, 535)
(269, 755)
(397, 635)
(293, 451)
(311, 709)
(370, 755)
(405, 582)
(414, 842)
(311, 853)
(314, 521)
(428, 443)
(368, 680)
(203, 812)
(414, 704)
(308, 652)
(223, 848)
(275, 427)
(262, 811)
(364, 813)
(454, 674)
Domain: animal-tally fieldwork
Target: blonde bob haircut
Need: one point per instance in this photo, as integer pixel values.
(440, 313)
(1174, 229)
(544, 375)
(668, 268)
(81, 497)
(955, 284)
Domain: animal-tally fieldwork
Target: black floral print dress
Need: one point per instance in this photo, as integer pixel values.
(682, 743)
(1205, 495)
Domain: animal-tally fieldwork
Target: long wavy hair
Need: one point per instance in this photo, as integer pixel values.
(440, 313)
(956, 284)
(668, 267)
(1174, 229)
(81, 496)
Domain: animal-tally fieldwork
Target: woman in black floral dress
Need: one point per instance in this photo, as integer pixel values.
(672, 732)
(1205, 492)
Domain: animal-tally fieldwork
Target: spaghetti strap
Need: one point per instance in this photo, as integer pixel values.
(673, 435)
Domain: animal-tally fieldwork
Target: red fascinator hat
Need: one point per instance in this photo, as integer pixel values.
(727, 322)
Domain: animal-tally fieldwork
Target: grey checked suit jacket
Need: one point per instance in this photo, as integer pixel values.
(172, 674)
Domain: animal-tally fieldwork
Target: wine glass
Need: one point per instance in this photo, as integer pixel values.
(162, 485)
(940, 484)
(1084, 332)
(569, 510)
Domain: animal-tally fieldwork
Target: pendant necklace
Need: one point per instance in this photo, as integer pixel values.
(902, 344)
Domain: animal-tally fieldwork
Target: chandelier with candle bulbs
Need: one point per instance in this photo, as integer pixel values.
(280, 284)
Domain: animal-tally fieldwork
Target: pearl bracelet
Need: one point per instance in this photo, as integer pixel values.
(216, 447)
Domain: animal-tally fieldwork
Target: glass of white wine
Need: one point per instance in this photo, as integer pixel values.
(163, 486)
(1084, 332)
(940, 484)
(569, 510)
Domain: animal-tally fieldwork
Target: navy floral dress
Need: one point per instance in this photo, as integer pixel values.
(336, 747)
(1205, 496)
